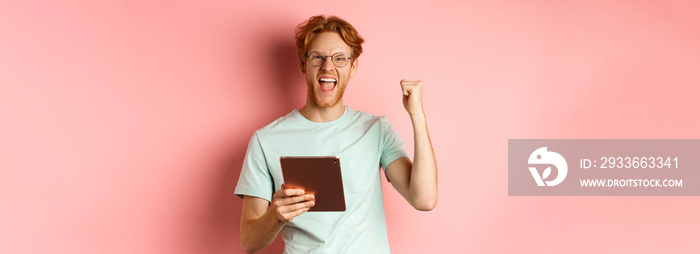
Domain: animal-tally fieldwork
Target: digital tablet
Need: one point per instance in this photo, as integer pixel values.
(320, 176)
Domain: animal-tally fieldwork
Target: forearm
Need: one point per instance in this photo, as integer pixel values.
(423, 183)
(256, 234)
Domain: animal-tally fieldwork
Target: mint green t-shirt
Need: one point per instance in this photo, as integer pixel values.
(363, 143)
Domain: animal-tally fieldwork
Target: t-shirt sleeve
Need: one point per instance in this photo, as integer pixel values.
(255, 179)
(392, 144)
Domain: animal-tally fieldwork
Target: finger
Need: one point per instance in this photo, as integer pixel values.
(410, 86)
(292, 192)
(405, 87)
(299, 206)
(288, 201)
(295, 207)
(299, 199)
(288, 193)
(409, 89)
(289, 216)
(411, 82)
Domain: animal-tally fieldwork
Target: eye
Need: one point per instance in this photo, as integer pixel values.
(316, 57)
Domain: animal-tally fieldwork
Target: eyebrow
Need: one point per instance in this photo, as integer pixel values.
(324, 54)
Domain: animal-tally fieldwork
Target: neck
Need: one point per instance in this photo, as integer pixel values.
(319, 114)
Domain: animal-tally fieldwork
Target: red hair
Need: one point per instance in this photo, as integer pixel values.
(306, 31)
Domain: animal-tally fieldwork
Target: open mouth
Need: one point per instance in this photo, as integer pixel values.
(327, 84)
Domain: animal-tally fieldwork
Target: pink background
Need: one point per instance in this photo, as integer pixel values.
(124, 123)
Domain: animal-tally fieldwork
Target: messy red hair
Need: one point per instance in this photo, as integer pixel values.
(306, 31)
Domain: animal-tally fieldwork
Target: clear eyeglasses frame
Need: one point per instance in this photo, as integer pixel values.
(339, 59)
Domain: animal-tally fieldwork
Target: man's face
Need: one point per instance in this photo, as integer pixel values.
(326, 83)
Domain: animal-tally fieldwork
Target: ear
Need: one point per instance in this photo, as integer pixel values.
(353, 68)
(302, 67)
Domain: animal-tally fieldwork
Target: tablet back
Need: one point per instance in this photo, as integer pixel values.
(320, 176)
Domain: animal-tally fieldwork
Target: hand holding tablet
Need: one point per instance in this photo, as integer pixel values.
(290, 203)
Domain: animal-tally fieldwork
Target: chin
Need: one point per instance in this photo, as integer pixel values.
(326, 100)
(326, 104)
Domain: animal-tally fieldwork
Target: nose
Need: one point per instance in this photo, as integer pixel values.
(328, 63)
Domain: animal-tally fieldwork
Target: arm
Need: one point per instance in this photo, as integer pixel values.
(260, 225)
(416, 182)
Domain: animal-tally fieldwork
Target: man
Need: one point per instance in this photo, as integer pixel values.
(324, 126)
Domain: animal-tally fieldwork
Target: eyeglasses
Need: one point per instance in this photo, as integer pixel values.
(339, 59)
